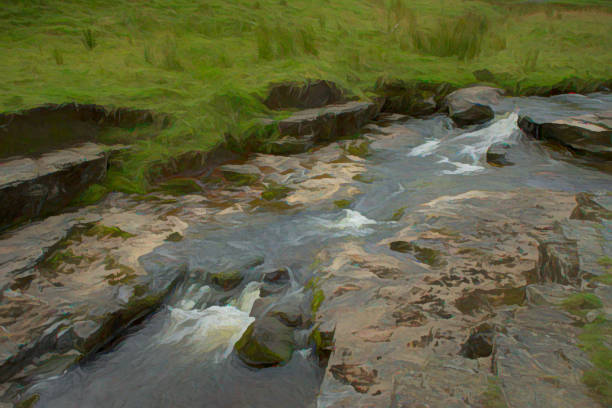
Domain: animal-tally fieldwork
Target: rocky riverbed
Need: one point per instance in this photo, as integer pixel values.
(444, 261)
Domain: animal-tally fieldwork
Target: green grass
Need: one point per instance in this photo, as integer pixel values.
(581, 303)
(209, 63)
(595, 341)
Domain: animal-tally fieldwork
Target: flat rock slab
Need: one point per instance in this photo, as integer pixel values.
(408, 332)
(586, 134)
(329, 122)
(31, 187)
(72, 282)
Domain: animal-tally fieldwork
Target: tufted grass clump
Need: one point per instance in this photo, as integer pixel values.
(88, 38)
(461, 37)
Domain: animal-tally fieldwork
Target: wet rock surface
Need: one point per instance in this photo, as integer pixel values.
(394, 269)
(31, 187)
(329, 122)
(472, 106)
(497, 154)
(589, 134)
(313, 94)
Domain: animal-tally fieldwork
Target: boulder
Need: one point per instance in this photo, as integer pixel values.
(312, 94)
(266, 342)
(471, 106)
(480, 343)
(412, 98)
(496, 155)
(277, 276)
(34, 187)
(586, 134)
(330, 122)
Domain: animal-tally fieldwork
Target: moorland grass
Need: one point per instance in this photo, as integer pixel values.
(209, 63)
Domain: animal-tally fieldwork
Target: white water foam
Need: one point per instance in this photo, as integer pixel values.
(472, 146)
(212, 330)
(426, 149)
(503, 130)
(351, 222)
(461, 168)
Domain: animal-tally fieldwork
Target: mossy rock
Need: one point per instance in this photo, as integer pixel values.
(227, 280)
(581, 303)
(358, 148)
(240, 179)
(103, 231)
(398, 214)
(241, 175)
(180, 186)
(276, 192)
(429, 256)
(362, 178)
(174, 237)
(267, 342)
(343, 203)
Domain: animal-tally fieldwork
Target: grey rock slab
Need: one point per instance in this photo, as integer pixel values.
(588, 134)
(329, 122)
(32, 187)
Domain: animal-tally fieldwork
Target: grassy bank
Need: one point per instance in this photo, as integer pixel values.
(208, 63)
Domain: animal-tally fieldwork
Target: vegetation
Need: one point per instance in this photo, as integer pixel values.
(581, 303)
(103, 231)
(595, 340)
(208, 63)
(342, 204)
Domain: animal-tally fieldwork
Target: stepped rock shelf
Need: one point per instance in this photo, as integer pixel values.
(363, 271)
(32, 187)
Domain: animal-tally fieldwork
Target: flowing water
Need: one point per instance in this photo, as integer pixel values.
(183, 356)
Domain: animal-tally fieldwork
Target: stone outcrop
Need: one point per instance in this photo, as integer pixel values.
(471, 106)
(73, 282)
(585, 135)
(312, 94)
(412, 98)
(461, 334)
(33, 187)
(53, 126)
(329, 122)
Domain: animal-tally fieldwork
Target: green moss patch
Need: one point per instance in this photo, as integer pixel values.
(581, 303)
(595, 340)
(275, 192)
(398, 214)
(343, 203)
(103, 231)
(179, 186)
(240, 179)
(363, 178)
(226, 280)
(317, 299)
(425, 255)
(358, 148)
(493, 397)
(124, 273)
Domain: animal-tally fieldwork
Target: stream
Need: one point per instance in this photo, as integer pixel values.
(182, 356)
